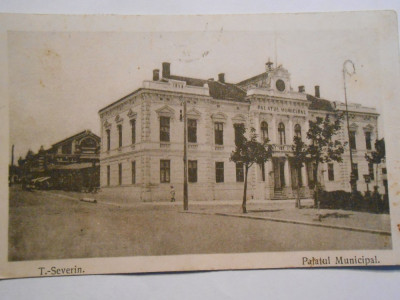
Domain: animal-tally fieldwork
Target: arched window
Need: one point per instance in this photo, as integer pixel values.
(282, 136)
(297, 130)
(264, 130)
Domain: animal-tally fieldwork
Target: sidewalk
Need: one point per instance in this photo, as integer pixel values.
(267, 210)
(287, 213)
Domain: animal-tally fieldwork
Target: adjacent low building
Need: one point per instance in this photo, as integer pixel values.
(142, 138)
(72, 163)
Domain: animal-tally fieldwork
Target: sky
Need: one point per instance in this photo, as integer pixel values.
(58, 81)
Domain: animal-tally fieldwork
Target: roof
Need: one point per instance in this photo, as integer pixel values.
(218, 90)
(243, 82)
(77, 166)
(87, 132)
(319, 104)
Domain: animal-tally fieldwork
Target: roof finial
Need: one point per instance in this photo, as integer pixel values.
(269, 65)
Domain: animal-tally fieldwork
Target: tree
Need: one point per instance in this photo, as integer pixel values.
(299, 149)
(322, 148)
(249, 151)
(377, 156)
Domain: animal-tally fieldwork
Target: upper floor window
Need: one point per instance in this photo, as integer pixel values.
(133, 131)
(282, 134)
(108, 133)
(368, 140)
(219, 133)
(237, 132)
(192, 131)
(297, 130)
(119, 128)
(264, 130)
(164, 129)
(352, 139)
(108, 175)
(133, 170)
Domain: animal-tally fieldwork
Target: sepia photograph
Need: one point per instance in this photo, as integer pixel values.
(201, 137)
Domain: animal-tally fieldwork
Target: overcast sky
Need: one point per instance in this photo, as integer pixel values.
(59, 80)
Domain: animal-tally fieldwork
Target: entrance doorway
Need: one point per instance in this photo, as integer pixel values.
(279, 174)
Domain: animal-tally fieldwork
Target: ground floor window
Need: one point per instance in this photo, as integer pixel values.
(108, 175)
(192, 170)
(239, 172)
(133, 172)
(262, 167)
(371, 171)
(331, 174)
(219, 171)
(355, 170)
(165, 170)
(119, 174)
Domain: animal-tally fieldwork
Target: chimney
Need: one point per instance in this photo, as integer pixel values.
(221, 77)
(317, 94)
(166, 69)
(156, 75)
(301, 89)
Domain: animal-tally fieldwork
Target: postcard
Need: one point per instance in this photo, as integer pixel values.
(135, 144)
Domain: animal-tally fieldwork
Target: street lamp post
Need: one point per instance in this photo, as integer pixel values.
(353, 181)
(185, 160)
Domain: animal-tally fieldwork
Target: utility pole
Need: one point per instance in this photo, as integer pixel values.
(185, 160)
(353, 182)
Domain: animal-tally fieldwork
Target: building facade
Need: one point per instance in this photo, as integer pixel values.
(142, 138)
(70, 163)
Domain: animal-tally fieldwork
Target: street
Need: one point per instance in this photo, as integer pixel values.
(46, 225)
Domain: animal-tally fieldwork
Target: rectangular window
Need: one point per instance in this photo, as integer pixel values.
(371, 171)
(353, 140)
(219, 133)
(331, 173)
(164, 129)
(355, 170)
(192, 170)
(165, 169)
(134, 172)
(239, 172)
(384, 171)
(66, 148)
(119, 174)
(368, 140)
(133, 131)
(192, 131)
(108, 175)
(119, 127)
(108, 139)
(219, 171)
(262, 167)
(237, 133)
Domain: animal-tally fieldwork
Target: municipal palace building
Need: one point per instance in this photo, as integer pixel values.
(142, 138)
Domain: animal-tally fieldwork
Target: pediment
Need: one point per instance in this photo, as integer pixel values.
(165, 111)
(193, 114)
(107, 124)
(239, 118)
(219, 117)
(368, 128)
(132, 114)
(353, 126)
(118, 119)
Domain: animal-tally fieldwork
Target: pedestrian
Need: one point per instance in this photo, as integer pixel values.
(172, 192)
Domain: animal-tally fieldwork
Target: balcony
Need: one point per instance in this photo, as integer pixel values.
(281, 148)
